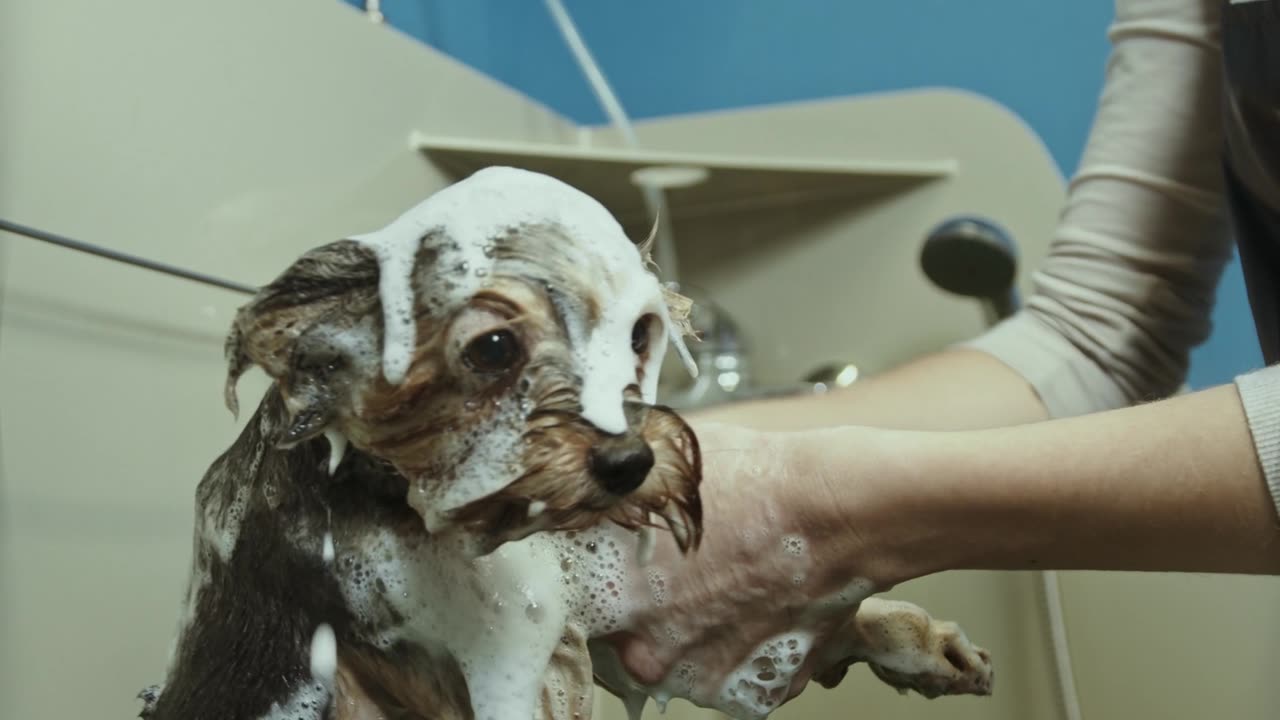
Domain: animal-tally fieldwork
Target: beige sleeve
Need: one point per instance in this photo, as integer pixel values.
(1133, 269)
(1260, 395)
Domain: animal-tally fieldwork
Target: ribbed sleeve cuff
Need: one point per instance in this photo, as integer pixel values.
(1260, 395)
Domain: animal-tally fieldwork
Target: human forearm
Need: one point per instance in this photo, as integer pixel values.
(1168, 486)
(950, 390)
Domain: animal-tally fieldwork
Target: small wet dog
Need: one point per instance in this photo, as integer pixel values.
(432, 510)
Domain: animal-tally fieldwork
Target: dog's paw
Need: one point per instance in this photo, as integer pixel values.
(950, 665)
(909, 650)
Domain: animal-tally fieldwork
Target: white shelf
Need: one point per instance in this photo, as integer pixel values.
(734, 183)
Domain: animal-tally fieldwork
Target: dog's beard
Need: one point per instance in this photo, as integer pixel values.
(514, 463)
(550, 484)
(557, 491)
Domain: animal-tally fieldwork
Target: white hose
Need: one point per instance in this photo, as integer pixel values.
(654, 198)
(1061, 650)
(592, 71)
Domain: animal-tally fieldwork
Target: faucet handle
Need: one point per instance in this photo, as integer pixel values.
(833, 375)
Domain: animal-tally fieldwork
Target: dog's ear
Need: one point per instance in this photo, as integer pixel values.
(679, 310)
(330, 287)
(679, 307)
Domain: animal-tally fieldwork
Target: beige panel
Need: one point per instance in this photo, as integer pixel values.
(227, 136)
(1174, 646)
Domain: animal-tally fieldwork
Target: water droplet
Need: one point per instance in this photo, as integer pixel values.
(534, 612)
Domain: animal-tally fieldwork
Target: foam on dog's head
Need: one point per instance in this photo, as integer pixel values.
(471, 213)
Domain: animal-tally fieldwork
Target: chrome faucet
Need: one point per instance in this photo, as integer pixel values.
(724, 370)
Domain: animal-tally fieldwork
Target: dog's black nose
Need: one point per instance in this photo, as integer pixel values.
(621, 464)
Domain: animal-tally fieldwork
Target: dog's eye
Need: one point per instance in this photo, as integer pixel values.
(640, 335)
(492, 352)
(319, 361)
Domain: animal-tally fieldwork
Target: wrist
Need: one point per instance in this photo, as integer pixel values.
(864, 495)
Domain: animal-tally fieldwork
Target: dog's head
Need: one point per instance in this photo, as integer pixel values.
(499, 344)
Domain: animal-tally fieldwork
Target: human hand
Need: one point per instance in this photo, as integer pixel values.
(777, 573)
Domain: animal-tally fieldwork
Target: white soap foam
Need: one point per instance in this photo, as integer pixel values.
(594, 564)
(607, 360)
(657, 586)
(757, 687)
(471, 213)
(501, 615)
(490, 462)
(536, 508)
(327, 552)
(337, 448)
(222, 523)
(794, 545)
(324, 655)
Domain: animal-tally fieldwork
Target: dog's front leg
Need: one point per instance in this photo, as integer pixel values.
(909, 650)
(568, 686)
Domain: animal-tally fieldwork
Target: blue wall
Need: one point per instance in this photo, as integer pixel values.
(1044, 61)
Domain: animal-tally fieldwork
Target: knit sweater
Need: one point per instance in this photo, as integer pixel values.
(1129, 284)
